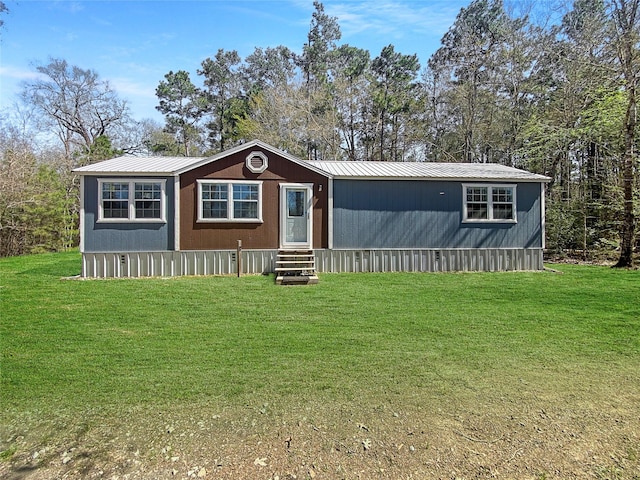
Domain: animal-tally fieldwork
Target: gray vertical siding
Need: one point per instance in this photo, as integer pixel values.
(426, 214)
(132, 237)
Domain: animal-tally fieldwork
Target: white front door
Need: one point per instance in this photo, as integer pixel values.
(296, 215)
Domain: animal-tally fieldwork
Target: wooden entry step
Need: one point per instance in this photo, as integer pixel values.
(296, 267)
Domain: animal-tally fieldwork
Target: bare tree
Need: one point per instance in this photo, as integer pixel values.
(279, 116)
(75, 104)
(38, 199)
(17, 164)
(3, 10)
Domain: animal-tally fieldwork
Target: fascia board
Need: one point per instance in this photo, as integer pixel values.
(124, 174)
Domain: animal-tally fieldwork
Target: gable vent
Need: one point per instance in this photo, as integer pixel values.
(257, 162)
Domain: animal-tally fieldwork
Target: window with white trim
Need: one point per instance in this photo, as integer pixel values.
(489, 203)
(229, 201)
(131, 200)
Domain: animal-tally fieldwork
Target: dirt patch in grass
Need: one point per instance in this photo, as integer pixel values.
(504, 439)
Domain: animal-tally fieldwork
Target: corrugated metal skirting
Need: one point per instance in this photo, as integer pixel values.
(429, 260)
(224, 262)
(172, 264)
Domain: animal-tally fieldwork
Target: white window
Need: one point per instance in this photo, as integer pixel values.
(489, 203)
(123, 200)
(229, 201)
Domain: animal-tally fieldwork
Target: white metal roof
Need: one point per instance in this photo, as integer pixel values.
(140, 165)
(159, 166)
(427, 170)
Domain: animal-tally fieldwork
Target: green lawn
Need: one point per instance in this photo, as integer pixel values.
(84, 343)
(452, 342)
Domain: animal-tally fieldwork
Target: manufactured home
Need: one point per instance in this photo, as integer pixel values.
(250, 205)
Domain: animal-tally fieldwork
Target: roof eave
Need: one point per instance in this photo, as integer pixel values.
(444, 179)
(124, 174)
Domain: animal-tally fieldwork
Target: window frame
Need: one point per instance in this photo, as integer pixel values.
(490, 203)
(230, 218)
(131, 200)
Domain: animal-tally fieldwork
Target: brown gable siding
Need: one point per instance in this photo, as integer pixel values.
(221, 236)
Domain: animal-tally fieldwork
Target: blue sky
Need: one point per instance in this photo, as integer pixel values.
(132, 44)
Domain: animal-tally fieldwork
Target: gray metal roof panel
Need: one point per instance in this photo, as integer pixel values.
(427, 170)
(140, 165)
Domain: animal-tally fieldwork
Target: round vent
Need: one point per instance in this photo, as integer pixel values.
(257, 162)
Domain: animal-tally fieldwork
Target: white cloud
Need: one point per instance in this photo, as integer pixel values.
(101, 22)
(16, 73)
(395, 18)
(72, 7)
(126, 88)
(64, 33)
(410, 25)
(139, 94)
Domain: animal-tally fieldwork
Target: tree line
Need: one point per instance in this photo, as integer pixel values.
(553, 97)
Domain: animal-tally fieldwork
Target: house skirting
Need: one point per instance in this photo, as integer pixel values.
(225, 262)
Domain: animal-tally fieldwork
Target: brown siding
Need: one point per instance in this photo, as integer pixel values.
(220, 236)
